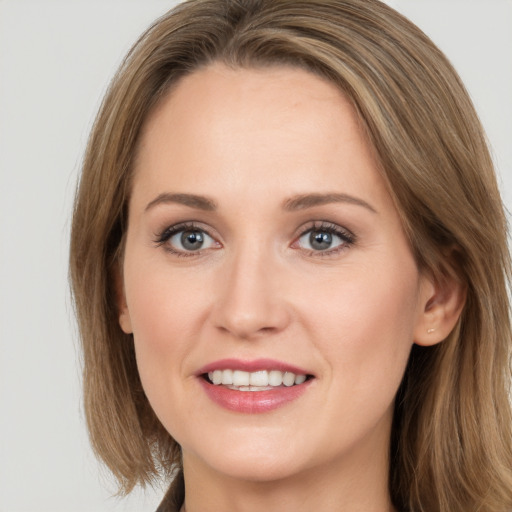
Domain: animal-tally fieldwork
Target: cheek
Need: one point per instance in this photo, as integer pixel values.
(165, 306)
(364, 327)
(166, 312)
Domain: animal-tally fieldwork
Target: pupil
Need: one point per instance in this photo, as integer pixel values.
(192, 240)
(320, 240)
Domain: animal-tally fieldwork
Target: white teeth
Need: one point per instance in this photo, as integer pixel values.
(240, 378)
(255, 381)
(299, 379)
(258, 378)
(249, 388)
(227, 377)
(275, 378)
(289, 379)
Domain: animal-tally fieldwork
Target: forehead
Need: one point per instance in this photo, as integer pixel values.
(263, 99)
(254, 127)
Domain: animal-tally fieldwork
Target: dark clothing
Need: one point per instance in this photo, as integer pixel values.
(173, 499)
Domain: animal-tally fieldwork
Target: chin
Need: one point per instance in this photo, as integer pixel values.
(260, 461)
(257, 469)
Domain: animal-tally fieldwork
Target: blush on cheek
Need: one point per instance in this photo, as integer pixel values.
(154, 364)
(154, 312)
(373, 334)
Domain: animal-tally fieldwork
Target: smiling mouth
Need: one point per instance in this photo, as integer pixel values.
(262, 380)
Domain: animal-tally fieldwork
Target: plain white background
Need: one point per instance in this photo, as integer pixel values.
(56, 59)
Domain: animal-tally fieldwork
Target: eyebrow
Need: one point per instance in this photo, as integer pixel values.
(191, 200)
(299, 202)
(304, 201)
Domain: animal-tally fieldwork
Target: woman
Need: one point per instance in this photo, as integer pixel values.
(290, 267)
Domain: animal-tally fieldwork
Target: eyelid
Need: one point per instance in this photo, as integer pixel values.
(163, 236)
(348, 238)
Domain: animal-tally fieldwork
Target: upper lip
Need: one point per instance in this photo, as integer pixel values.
(252, 365)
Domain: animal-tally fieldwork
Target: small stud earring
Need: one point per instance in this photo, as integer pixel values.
(430, 331)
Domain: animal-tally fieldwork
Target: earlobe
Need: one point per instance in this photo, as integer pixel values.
(124, 315)
(442, 302)
(125, 321)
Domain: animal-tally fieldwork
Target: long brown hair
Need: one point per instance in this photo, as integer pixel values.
(451, 445)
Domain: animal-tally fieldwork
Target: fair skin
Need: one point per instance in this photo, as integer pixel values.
(328, 286)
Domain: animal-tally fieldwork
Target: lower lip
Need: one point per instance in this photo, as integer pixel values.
(253, 402)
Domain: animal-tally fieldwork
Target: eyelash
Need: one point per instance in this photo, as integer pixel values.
(348, 239)
(163, 237)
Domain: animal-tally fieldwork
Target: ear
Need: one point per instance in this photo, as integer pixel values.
(441, 302)
(125, 321)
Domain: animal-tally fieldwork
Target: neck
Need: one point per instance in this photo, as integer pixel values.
(342, 486)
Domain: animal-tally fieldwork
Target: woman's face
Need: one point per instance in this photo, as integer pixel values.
(263, 245)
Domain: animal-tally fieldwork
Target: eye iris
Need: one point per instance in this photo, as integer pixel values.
(320, 240)
(192, 240)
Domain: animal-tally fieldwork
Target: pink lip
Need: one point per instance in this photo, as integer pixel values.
(252, 402)
(252, 366)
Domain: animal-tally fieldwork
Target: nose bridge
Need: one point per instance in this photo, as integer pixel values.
(250, 301)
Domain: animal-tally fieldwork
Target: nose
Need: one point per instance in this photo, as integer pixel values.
(251, 301)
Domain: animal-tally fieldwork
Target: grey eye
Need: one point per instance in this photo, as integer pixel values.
(191, 240)
(320, 240)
